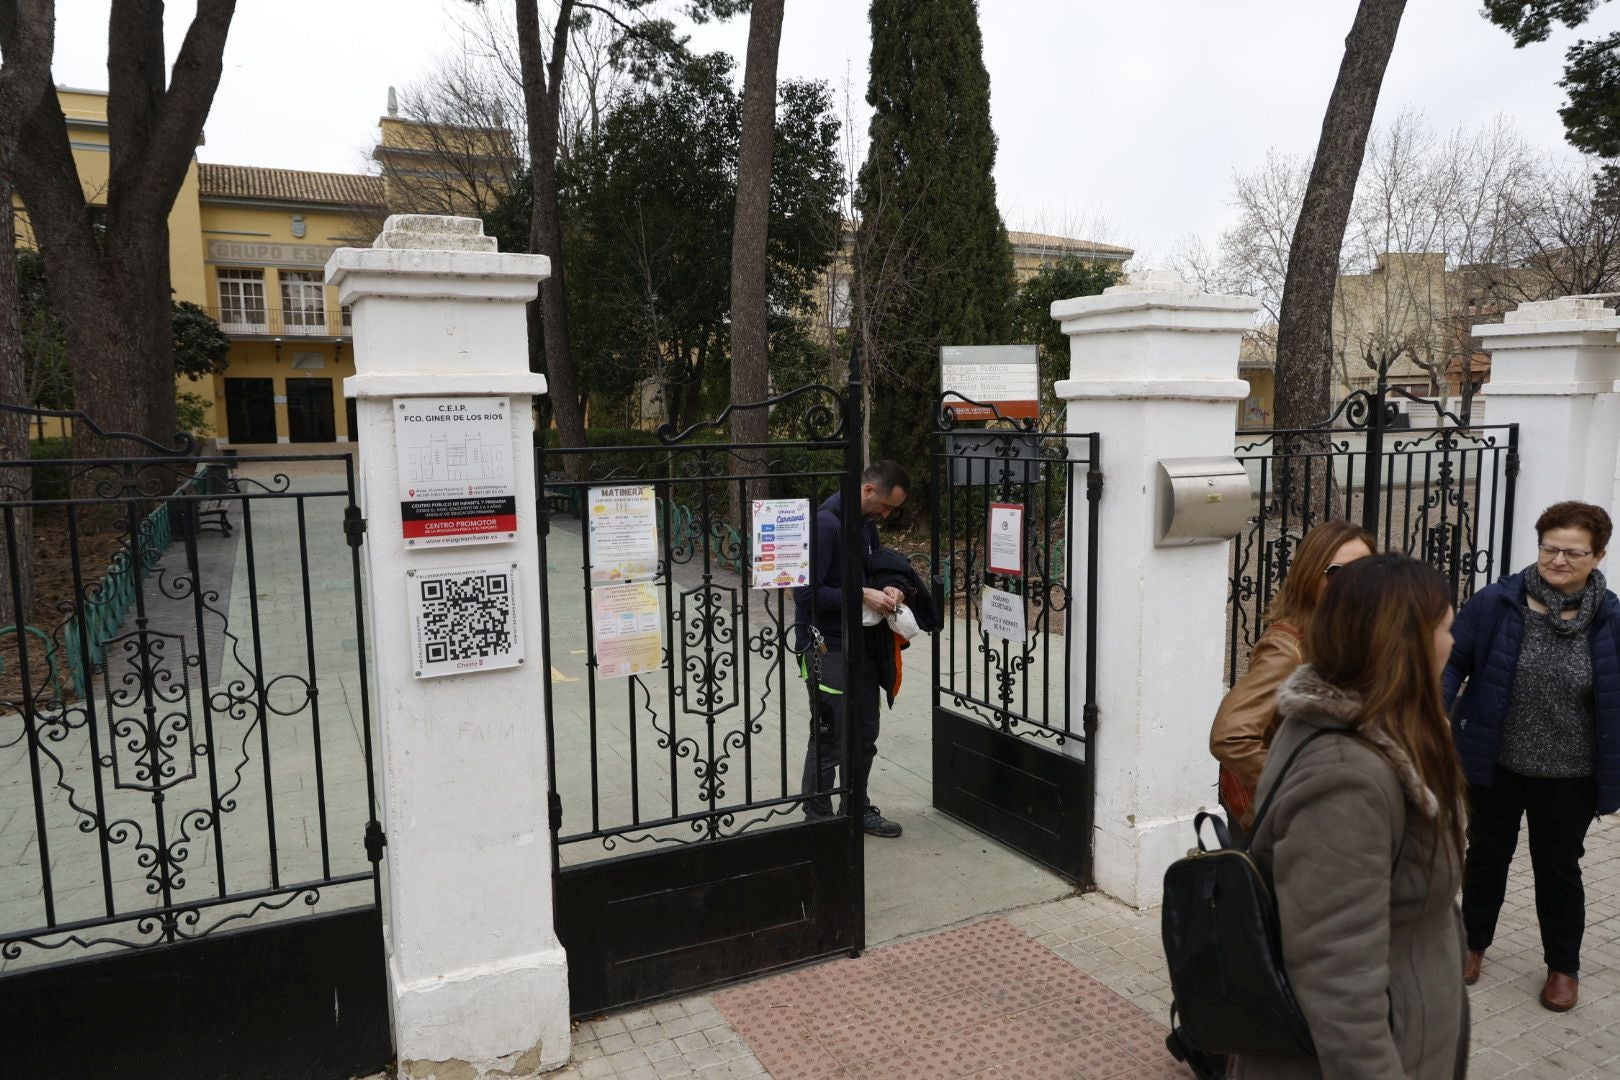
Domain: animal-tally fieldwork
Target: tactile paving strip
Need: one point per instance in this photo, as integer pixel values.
(980, 1001)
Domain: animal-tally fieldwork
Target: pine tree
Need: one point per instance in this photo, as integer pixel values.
(933, 265)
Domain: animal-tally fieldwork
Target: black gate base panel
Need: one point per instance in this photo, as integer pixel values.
(303, 998)
(642, 927)
(1035, 800)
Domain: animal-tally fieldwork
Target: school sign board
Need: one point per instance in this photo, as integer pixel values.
(1006, 376)
(455, 471)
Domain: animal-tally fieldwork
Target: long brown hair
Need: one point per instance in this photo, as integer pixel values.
(1296, 601)
(1373, 635)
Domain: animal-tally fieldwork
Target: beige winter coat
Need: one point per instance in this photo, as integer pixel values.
(1372, 944)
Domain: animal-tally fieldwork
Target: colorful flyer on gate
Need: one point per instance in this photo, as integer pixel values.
(1006, 540)
(781, 543)
(455, 471)
(627, 631)
(623, 527)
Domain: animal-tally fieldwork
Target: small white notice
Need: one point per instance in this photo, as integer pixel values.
(455, 471)
(464, 619)
(781, 530)
(1006, 539)
(627, 629)
(623, 527)
(1001, 615)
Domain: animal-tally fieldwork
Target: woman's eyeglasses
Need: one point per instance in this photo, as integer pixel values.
(1572, 554)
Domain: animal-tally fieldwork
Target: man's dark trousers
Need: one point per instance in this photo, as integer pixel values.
(1560, 811)
(824, 756)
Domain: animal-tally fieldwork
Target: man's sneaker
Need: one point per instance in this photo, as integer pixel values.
(876, 824)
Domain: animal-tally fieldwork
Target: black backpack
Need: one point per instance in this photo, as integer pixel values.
(1224, 949)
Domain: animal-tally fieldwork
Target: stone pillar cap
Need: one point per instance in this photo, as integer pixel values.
(1565, 315)
(1166, 281)
(1152, 289)
(433, 233)
(1563, 309)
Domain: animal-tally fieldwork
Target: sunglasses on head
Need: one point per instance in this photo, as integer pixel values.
(1333, 568)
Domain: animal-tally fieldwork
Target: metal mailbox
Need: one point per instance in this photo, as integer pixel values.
(1201, 500)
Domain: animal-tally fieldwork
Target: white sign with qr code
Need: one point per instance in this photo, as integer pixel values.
(464, 619)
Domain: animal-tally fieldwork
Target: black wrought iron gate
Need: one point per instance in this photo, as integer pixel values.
(187, 807)
(677, 714)
(1014, 566)
(1421, 479)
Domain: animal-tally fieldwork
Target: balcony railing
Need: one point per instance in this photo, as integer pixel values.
(284, 323)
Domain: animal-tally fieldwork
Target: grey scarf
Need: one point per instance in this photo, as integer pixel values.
(1585, 602)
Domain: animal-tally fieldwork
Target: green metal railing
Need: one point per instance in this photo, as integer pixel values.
(108, 600)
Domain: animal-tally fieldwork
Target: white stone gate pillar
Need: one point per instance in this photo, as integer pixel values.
(477, 979)
(1554, 367)
(1153, 370)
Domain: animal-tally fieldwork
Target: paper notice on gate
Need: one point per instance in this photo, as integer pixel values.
(1006, 545)
(1001, 615)
(781, 548)
(623, 527)
(626, 629)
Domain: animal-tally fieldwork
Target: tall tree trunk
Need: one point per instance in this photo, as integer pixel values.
(692, 392)
(27, 33)
(1304, 386)
(17, 541)
(112, 292)
(750, 371)
(542, 98)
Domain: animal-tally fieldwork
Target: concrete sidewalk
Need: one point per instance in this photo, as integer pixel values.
(1071, 988)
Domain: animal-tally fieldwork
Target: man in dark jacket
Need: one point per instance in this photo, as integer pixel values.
(818, 614)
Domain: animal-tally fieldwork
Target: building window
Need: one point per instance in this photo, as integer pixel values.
(303, 302)
(241, 301)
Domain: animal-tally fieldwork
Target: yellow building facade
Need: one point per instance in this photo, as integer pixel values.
(266, 236)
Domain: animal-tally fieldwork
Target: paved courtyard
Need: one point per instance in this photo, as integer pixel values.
(1073, 987)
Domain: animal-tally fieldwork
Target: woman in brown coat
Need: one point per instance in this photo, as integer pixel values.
(1248, 714)
(1363, 842)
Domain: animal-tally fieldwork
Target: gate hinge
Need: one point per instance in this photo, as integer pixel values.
(354, 526)
(1513, 463)
(1094, 484)
(1088, 718)
(375, 841)
(556, 810)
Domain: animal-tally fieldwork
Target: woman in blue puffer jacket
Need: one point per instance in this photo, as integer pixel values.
(1538, 728)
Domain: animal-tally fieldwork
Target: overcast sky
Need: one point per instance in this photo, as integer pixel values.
(1121, 122)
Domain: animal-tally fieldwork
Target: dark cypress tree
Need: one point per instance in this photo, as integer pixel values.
(933, 265)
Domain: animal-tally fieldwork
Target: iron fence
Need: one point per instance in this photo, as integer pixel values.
(710, 743)
(1024, 687)
(1444, 494)
(209, 764)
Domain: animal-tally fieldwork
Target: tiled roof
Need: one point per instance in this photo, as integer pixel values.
(1065, 243)
(288, 185)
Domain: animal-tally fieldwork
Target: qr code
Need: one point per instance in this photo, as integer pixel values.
(466, 618)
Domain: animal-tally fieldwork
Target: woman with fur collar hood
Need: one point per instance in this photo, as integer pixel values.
(1363, 841)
